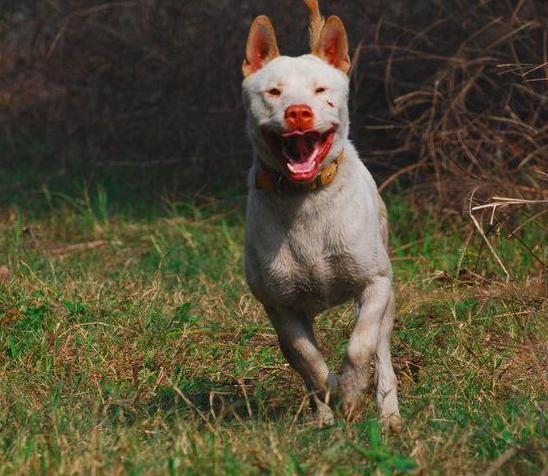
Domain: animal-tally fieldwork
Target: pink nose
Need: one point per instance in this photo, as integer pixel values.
(299, 117)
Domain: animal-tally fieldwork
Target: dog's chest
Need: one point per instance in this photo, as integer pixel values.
(312, 262)
(313, 274)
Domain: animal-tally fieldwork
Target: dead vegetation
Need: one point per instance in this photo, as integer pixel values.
(149, 354)
(446, 96)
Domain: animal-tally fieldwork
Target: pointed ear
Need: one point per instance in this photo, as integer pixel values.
(333, 44)
(261, 46)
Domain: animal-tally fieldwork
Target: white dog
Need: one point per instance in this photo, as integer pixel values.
(316, 233)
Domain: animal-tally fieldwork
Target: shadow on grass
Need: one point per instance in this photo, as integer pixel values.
(201, 399)
(228, 400)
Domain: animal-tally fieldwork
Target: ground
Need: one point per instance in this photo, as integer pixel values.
(130, 344)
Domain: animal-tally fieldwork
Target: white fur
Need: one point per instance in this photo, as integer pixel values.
(308, 251)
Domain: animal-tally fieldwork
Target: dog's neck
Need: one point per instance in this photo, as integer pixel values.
(267, 178)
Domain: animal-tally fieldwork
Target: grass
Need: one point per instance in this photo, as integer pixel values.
(146, 354)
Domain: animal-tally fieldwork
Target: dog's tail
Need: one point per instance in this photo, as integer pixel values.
(316, 22)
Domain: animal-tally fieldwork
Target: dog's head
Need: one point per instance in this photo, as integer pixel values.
(297, 107)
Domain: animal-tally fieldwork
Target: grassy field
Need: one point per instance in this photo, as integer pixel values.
(130, 344)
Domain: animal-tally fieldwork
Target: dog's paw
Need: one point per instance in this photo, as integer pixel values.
(392, 424)
(352, 411)
(352, 389)
(390, 412)
(323, 415)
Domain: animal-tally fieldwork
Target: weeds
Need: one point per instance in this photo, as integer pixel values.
(448, 95)
(149, 356)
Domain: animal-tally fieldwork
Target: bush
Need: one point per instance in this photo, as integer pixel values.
(448, 89)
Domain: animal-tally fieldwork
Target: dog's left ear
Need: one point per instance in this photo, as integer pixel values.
(333, 44)
(261, 46)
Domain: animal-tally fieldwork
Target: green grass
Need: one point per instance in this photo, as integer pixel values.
(148, 355)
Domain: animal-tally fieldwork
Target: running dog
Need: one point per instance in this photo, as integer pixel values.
(316, 231)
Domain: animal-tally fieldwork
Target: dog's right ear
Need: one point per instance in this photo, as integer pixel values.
(261, 46)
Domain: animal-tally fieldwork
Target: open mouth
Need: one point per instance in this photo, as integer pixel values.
(300, 153)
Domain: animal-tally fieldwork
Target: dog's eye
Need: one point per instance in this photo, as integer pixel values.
(274, 92)
(320, 90)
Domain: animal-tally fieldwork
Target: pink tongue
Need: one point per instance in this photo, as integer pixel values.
(302, 164)
(301, 167)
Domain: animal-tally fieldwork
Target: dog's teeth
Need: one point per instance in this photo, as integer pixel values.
(300, 168)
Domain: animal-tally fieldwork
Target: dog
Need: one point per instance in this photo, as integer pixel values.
(316, 226)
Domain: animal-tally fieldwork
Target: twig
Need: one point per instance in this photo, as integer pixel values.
(194, 407)
(499, 462)
(488, 243)
(248, 406)
(494, 205)
(401, 172)
(299, 411)
(503, 201)
(464, 249)
(91, 245)
(527, 221)
(482, 233)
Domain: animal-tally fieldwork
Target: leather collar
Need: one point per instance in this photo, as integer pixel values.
(271, 180)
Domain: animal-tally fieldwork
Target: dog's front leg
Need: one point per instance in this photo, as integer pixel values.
(385, 378)
(354, 380)
(298, 344)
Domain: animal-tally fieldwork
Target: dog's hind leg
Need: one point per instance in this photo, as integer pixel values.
(385, 378)
(362, 346)
(296, 336)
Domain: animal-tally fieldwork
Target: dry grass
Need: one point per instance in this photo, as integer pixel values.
(148, 355)
(447, 95)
